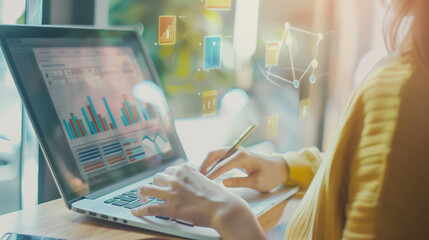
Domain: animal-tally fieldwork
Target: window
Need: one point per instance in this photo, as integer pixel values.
(18, 147)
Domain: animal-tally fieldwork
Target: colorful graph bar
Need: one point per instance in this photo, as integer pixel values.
(91, 130)
(75, 127)
(83, 127)
(150, 110)
(137, 114)
(132, 115)
(98, 123)
(125, 118)
(73, 136)
(142, 109)
(89, 121)
(94, 114)
(110, 114)
(68, 129)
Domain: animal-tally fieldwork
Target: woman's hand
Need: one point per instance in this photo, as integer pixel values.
(264, 172)
(192, 197)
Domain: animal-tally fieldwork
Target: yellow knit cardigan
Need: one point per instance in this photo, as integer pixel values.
(373, 182)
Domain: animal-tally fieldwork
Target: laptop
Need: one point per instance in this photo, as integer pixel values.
(103, 122)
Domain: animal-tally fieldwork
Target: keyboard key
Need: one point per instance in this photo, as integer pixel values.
(110, 200)
(133, 205)
(148, 201)
(118, 197)
(119, 203)
(157, 201)
(134, 190)
(128, 199)
(133, 195)
(184, 222)
(163, 217)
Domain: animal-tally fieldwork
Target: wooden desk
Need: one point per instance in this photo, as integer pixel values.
(52, 219)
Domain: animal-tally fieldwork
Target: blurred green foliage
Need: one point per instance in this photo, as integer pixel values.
(21, 19)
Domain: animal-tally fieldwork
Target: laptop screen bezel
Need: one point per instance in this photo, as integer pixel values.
(25, 31)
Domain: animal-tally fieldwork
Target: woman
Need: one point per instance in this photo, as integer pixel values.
(371, 184)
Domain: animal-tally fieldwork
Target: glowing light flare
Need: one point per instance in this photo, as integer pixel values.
(235, 99)
(149, 92)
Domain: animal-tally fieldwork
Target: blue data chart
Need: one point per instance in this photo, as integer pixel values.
(212, 52)
(133, 149)
(91, 159)
(158, 142)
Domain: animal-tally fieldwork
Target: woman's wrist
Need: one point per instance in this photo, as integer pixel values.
(283, 168)
(236, 221)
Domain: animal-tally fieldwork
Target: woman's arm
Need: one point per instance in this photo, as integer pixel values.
(238, 223)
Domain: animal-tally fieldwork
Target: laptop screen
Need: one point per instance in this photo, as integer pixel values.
(96, 105)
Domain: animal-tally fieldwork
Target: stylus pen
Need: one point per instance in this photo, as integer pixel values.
(236, 145)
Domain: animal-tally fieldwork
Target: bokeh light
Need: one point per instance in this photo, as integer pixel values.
(235, 99)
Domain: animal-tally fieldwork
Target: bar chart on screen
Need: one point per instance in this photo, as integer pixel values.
(132, 115)
(106, 125)
(147, 145)
(93, 119)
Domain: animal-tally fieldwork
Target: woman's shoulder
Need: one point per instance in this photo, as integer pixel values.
(387, 78)
(389, 70)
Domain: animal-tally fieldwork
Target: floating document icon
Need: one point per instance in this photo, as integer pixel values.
(272, 56)
(209, 102)
(167, 30)
(272, 126)
(218, 4)
(305, 109)
(212, 52)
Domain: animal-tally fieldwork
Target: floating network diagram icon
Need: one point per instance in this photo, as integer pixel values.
(272, 57)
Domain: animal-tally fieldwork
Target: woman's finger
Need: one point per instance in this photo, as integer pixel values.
(154, 191)
(152, 210)
(171, 170)
(162, 179)
(211, 159)
(249, 182)
(235, 161)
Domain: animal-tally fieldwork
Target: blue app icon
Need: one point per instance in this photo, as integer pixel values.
(212, 52)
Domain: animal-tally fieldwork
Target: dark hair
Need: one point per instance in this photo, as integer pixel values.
(418, 36)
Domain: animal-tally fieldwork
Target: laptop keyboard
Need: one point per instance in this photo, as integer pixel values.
(130, 200)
